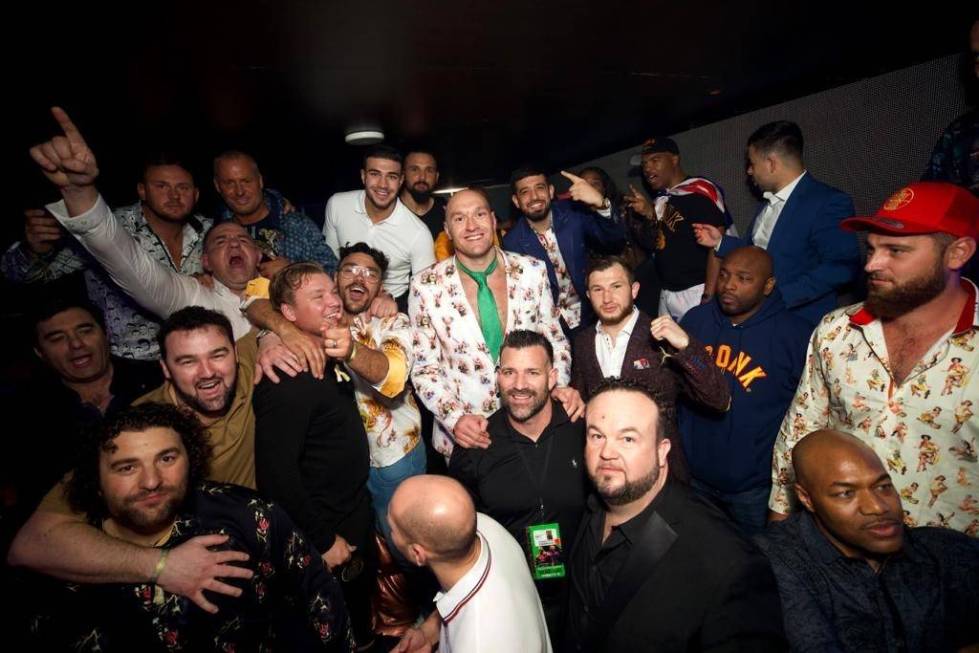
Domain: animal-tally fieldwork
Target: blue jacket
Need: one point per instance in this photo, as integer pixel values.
(813, 257)
(762, 359)
(575, 228)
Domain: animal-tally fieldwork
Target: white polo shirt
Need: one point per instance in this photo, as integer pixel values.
(402, 236)
(495, 606)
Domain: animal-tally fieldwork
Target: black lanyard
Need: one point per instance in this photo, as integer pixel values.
(536, 481)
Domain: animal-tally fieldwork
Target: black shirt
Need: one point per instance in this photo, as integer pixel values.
(519, 483)
(434, 219)
(311, 455)
(924, 598)
(513, 479)
(680, 262)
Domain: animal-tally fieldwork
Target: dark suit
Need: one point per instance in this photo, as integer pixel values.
(574, 228)
(813, 257)
(688, 581)
(690, 372)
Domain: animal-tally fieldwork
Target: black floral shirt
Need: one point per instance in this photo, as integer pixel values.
(291, 586)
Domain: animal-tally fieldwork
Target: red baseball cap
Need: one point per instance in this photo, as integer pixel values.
(925, 207)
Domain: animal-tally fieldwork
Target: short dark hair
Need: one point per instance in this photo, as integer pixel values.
(781, 137)
(289, 279)
(83, 489)
(364, 248)
(524, 171)
(665, 408)
(603, 263)
(48, 307)
(234, 154)
(158, 158)
(192, 318)
(421, 149)
(523, 338)
(381, 151)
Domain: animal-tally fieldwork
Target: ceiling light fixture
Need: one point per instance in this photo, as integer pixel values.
(363, 136)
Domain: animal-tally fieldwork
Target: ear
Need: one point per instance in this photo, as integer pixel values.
(958, 253)
(552, 379)
(419, 554)
(635, 289)
(217, 186)
(37, 352)
(436, 179)
(769, 286)
(206, 262)
(513, 198)
(663, 449)
(288, 312)
(197, 194)
(166, 372)
(550, 190)
(804, 497)
(261, 182)
(141, 191)
(363, 176)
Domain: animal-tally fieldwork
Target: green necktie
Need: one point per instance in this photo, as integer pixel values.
(489, 318)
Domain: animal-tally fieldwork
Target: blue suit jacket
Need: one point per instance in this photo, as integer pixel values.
(575, 228)
(813, 257)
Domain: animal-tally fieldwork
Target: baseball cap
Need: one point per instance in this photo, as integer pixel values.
(923, 208)
(652, 146)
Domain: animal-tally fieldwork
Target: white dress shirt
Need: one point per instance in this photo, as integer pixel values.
(765, 224)
(402, 236)
(611, 353)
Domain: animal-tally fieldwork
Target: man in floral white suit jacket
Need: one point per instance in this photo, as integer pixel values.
(461, 309)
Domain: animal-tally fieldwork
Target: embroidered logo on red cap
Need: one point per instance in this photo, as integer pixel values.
(899, 200)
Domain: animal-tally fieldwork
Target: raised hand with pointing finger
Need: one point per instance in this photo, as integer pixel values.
(69, 164)
(582, 191)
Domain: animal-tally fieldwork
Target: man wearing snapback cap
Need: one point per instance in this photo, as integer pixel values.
(898, 370)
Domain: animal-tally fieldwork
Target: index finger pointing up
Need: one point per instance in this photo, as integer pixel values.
(67, 126)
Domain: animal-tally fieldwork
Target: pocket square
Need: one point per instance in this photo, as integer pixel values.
(641, 364)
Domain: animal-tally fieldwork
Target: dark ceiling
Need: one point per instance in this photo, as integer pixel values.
(488, 84)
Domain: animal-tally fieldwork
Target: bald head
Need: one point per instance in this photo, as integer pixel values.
(821, 453)
(752, 258)
(842, 482)
(436, 513)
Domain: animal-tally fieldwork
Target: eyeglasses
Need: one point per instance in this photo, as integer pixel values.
(351, 271)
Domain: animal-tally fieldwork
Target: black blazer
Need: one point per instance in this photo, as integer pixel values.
(691, 583)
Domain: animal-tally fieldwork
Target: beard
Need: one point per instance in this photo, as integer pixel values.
(420, 196)
(617, 318)
(539, 215)
(147, 522)
(630, 491)
(904, 298)
(523, 413)
(208, 410)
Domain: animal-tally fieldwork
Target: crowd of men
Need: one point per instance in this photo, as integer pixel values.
(652, 433)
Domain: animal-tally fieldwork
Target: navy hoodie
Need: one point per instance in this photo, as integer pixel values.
(762, 359)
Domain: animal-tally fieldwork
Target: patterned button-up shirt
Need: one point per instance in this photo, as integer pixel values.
(388, 409)
(131, 328)
(568, 301)
(924, 429)
(454, 373)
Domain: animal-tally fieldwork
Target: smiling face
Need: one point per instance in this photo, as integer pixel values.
(74, 345)
(202, 365)
(143, 477)
(525, 379)
(315, 304)
(359, 282)
(470, 224)
(533, 195)
(382, 179)
(240, 185)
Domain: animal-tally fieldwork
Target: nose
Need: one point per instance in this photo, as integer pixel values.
(871, 503)
(150, 478)
(728, 285)
(875, 261)
(75, 341)
(173, 193)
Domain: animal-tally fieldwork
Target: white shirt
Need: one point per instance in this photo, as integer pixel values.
(611, 353)
(494, 607)
(157, 287)
(765, 224)
(402, 236)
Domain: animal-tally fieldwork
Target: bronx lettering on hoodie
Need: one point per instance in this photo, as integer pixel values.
(726, 359)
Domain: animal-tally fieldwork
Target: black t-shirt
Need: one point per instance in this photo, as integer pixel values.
(680, 262)
(435, 218)
(312, 456)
